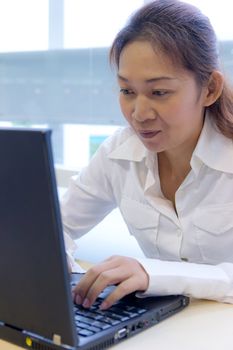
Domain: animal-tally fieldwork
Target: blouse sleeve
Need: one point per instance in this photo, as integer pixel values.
(214, 282)
(88, 199)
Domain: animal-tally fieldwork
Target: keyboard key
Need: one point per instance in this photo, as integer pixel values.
(110, 321)
(100, 325)
(85, 332)
(118, 317)
(84, 319)
(87, 313)
(94, 329)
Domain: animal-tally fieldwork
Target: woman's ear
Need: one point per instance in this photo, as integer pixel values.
(214, 88)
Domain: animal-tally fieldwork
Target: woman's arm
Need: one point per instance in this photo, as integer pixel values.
(202, 281)
(154, 278)
(89, 197)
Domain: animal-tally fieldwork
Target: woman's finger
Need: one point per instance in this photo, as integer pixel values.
(106, 278)
(124, 288)
(85, 284)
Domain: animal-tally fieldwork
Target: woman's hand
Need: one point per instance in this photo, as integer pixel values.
(127, 273)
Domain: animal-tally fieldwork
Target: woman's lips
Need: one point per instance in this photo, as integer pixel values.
(148, 134)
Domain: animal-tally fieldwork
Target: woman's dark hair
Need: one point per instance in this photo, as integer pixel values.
(186, 36)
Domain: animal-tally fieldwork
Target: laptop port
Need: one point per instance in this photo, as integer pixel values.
(122, 333)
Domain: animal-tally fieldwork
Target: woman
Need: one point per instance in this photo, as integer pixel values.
(171, 171)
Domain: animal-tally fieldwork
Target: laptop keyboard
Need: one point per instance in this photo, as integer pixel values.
(93, 320)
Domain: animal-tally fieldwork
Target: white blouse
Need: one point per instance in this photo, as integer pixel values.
(189, 252)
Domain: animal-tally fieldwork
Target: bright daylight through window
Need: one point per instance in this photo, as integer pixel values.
(54, 67)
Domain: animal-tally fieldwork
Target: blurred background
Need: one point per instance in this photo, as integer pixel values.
(54, 67)
(54, 72)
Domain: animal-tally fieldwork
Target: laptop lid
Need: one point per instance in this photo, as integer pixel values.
(35, 294)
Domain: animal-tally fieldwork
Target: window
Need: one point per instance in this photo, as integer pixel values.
(94, 23)
(220, 15)
(54, 67)
(23, 25)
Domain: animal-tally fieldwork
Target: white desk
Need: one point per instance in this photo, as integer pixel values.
(203, 325)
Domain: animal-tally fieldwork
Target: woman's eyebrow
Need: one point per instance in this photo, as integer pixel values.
(151, 80)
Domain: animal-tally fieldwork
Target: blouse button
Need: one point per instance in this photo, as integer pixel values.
(179, 232)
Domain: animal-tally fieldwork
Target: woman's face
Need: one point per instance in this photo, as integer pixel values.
(161, 102)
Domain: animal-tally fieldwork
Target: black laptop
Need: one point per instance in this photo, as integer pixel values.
(36, 308)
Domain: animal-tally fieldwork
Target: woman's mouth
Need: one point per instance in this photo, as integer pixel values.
(148, 134)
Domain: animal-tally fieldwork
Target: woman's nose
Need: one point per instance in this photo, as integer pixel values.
(142, 110)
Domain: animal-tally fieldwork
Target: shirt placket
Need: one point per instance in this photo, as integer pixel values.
(169, 238)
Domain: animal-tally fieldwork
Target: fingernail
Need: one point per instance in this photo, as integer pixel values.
(78, 299)
(104, 305)
(86, 303)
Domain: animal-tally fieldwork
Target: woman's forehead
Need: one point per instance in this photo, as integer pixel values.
(142, 59)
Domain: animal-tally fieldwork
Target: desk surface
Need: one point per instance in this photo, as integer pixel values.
(203, 325)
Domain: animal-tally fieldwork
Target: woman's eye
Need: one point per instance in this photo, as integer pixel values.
(126, 91)
(159, 92)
